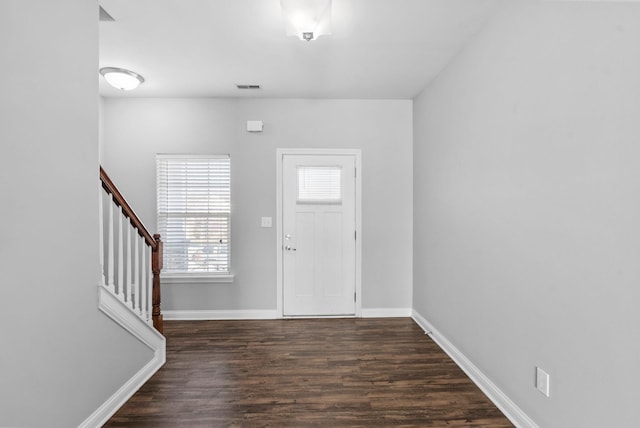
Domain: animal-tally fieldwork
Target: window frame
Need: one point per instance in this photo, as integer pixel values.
(187, 278)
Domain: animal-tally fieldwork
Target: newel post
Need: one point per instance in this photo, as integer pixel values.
(156, 267)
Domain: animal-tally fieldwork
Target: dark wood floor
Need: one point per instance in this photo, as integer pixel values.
(298, 373)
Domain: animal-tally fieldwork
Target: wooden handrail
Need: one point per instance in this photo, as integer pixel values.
(120, 201)
(154, 242)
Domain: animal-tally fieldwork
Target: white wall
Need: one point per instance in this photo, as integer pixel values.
(60, 358)
(527, 208)
(100, 129)
(136, 129)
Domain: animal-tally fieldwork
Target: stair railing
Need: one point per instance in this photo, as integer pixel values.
(131, 258)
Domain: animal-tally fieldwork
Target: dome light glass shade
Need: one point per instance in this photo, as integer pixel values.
(307, 19)
(120, 78)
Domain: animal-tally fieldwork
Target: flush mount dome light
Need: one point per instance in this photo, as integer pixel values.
(307, 19)
(121, 79)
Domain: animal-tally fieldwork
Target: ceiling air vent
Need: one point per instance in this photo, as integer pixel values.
(104, 16)
(248, 86)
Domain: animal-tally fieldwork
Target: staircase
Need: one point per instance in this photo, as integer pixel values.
(128, 288)
(130, 257)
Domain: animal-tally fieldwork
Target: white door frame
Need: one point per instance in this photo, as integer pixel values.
(357, 153)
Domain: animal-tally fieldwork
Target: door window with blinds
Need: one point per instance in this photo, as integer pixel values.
(319, 184)
(194, 213)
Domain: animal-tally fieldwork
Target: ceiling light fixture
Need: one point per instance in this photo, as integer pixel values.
(307, 19)
(120, 78)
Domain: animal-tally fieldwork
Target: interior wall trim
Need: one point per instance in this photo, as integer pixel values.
(120, 397)
(240, 314)
(519, 418)
(268, 314)
(122, 314)
(386, 312)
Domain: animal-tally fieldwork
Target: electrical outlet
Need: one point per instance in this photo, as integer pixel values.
(265, 222)
(542, 381)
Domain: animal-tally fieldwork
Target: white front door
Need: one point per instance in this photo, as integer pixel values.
(318, 235)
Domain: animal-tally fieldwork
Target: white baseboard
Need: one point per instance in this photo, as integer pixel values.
(239, 314)
(386, 312)
(120, 313)
(267, 314)
(508, 407)
(117, 400)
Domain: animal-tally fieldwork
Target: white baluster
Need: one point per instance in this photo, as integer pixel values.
(101, 278)
(120, 257)
(110, 258)
(143, 283)
(136, 275)
(128, 266)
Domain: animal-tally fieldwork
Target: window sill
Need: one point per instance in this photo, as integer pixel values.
(194, 279)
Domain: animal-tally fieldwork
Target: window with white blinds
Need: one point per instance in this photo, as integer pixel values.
(194, 210)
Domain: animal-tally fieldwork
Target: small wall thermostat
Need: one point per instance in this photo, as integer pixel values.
(254, 125)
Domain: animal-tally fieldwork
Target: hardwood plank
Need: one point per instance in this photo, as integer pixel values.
(306, 373)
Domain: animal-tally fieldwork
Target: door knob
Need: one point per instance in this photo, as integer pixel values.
(288, 248)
